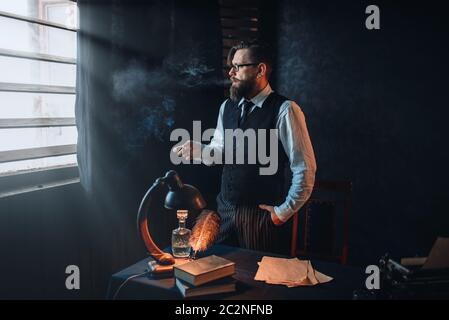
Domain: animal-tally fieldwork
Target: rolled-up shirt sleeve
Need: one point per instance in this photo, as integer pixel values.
(217, 143)
(293, 134)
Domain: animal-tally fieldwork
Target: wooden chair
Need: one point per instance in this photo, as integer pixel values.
(341, 191)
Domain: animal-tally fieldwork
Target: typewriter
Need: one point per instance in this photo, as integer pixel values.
(416, 278)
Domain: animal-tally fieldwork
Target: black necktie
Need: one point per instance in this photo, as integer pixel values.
(246, 108)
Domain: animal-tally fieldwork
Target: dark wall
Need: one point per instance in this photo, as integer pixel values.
(43, 232)
(376, 108)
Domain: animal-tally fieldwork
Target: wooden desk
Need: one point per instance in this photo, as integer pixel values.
(346, 280)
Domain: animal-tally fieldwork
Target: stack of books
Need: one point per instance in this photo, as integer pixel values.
(205, 276)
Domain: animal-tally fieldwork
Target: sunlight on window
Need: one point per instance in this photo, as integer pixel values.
(58, 11)
(35, 58)
(36, 105)
(26, 165)
(36, 72)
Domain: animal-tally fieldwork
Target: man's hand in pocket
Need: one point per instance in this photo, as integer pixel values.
(274, 217)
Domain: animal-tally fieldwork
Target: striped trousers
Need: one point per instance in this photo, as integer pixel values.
(250, 227)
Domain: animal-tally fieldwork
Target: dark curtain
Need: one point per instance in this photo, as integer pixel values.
(144, 69)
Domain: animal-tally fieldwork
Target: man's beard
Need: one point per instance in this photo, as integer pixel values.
(243, 88)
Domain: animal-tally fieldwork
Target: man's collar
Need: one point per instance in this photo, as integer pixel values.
(260, 98)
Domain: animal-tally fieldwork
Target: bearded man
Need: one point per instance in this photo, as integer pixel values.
(252, 206)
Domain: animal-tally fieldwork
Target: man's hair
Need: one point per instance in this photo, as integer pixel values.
(259, 52)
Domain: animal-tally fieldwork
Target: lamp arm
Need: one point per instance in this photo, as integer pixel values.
(143, 229)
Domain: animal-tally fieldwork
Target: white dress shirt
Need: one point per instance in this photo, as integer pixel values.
(293, 134)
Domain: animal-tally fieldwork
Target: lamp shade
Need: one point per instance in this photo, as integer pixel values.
(182, 196)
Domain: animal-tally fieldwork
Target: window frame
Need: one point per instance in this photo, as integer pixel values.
(23, 181)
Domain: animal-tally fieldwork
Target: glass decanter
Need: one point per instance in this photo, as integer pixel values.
(180, 236)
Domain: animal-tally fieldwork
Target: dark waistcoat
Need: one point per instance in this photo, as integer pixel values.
(242, 184)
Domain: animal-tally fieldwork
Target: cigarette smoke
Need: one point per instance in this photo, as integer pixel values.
(149, 93)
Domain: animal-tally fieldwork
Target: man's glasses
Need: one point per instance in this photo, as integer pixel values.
(236, 67)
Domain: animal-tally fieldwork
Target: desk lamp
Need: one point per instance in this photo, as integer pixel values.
(180, 197)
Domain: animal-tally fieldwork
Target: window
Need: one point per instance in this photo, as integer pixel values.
(37, 89)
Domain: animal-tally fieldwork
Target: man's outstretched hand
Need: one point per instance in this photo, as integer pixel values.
(189, 150)
(274, 217)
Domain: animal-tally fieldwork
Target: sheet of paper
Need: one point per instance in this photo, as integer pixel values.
(290, 272)
(311, 274)
(439, 255)
(279, 269)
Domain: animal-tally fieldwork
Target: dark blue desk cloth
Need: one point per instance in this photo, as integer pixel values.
(346, 280)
